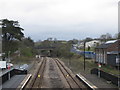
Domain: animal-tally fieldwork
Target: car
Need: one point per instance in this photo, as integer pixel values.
(23, 67)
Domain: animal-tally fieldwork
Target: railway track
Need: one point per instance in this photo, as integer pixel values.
(37, 81)
(69, 78)
(53, 73)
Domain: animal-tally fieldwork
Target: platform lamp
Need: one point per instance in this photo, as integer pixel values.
(118, 61)
(119, 44)
(9, 65)
(84, 54)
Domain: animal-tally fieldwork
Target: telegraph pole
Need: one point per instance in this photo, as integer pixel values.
(84, 54)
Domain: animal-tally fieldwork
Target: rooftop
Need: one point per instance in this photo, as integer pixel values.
(106, 44)
(112, 41)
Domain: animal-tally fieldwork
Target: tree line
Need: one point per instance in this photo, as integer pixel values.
(13, 39)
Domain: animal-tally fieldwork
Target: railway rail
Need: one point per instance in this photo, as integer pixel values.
(37, 81)
(69, 78)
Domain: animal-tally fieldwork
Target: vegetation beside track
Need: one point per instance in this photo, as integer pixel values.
(15, 46)
(77, 65)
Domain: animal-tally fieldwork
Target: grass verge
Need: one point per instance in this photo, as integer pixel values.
(77, 65)
(22, 60)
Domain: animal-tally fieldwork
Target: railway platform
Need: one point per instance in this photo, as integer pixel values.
(14, 82)
(98, 82)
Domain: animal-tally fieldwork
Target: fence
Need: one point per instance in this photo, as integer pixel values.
(13, 72)
(114, 79)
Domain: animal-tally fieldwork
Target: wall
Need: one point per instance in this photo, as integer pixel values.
(12, 73)
(107, 76)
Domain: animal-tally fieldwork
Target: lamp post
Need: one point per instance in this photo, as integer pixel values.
(9, 65)
(84, 54)
(19, 58)
(118, 57)
(9, 56)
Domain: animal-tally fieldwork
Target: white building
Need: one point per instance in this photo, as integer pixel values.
(93, 43)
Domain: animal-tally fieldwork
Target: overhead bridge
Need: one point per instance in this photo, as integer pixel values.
(45, 51)
(45, 48)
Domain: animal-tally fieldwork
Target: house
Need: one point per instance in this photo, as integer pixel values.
(108, 53)
(92, 43)
(80, 44)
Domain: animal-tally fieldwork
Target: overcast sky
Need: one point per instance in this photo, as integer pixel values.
(62, 19)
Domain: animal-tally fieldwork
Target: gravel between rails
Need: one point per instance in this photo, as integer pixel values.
(52, 76)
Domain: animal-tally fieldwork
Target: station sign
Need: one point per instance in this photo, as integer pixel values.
(2, 64)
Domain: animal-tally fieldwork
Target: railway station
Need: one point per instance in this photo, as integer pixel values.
(60, 44)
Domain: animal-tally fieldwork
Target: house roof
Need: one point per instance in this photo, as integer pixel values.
(112, 41)
(103, 46)
(106, 44)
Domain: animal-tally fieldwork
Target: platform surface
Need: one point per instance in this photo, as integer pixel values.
(14, 81)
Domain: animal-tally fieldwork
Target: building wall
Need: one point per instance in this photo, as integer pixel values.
(112, 59)
(101, 56)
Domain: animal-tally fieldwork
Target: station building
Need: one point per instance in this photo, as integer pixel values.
(108, 53)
